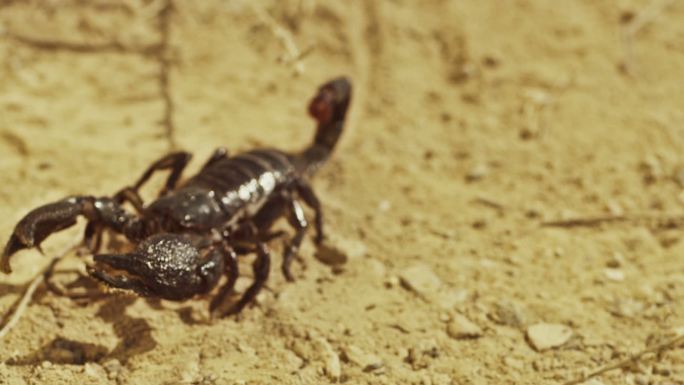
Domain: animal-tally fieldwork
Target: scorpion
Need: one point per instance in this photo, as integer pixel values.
(191, 235)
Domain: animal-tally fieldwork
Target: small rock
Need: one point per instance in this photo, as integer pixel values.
(627, 308)
(543, 336)
(93, 370)
(336, 250)
(420, 355)
(460, 327)
(617, 260)
(331, 360)
(448, 298)
(614, 274)
(391, 281)
(384, 205)
(368, 362)
(508, 313)
(113, 368)
(513, 363)
(478, 172)
(421, 279)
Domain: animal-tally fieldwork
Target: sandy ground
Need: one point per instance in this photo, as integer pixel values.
(473, 122)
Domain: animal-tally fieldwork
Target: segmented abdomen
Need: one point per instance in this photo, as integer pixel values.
(243, 183)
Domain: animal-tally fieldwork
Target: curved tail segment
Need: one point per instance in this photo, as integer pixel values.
(329, 108)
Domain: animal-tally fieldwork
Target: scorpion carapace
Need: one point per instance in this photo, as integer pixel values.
(192, 234)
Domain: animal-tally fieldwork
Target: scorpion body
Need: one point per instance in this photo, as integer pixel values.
(191, 235)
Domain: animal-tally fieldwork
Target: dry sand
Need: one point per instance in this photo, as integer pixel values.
(473, 122)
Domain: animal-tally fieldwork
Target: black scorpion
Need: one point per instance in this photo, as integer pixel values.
(192, 233)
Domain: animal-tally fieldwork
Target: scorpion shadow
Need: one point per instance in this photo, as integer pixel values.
(135, 337)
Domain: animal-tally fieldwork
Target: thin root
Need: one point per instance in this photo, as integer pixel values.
(13, 316)
(633, 26)
(672, 343)
(294, 55)
(661, 221)
(164, 74)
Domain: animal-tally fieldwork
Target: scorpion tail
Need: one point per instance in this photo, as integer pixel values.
(329, 108)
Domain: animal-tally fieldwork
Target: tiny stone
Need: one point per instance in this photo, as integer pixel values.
(461, 327)
(112, 367)
(478, 172)
(616, 260)
(330, 359)
(421, 279)
(392, 281)
(336, 250)
(92, 370)
(627, 308)
(508, 313)
(420, 355)
(360, 358)
(384, 205)
(543, 336)
(513, 363)
(614, 208)
(614, 275)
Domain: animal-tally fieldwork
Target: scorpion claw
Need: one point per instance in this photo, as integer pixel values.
(37, 225)
(13, 245)
(119, 281)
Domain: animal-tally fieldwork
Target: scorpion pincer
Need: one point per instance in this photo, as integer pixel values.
(192, 234)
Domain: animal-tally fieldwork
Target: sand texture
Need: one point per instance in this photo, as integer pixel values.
(473, 125)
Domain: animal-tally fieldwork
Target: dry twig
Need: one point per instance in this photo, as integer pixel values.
(632, 24)
(660, 348)
(17, 311)
(294, 54)
(79, 47)
(663, 221)
(164, 72)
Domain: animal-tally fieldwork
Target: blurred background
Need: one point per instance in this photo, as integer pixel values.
(474, 124)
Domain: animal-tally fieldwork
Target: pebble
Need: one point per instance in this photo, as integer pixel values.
(336, 250)
(331, 360)
(421, 279)
(448, 298)
(543, 336)
(367, 362)
(93, 370)
(112, 367)
(508, 313)
(477, 172)
(616, 260)
(420, 355)
(513, 363)
(614, 274)
(461, 327)
(627, 308)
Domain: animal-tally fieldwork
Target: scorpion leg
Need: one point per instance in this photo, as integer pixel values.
(175, 162)
(307, 194)
(92, 236)
(261, 269)
(219, 153)
(38, 224)
(296, 219)
(232, 270)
